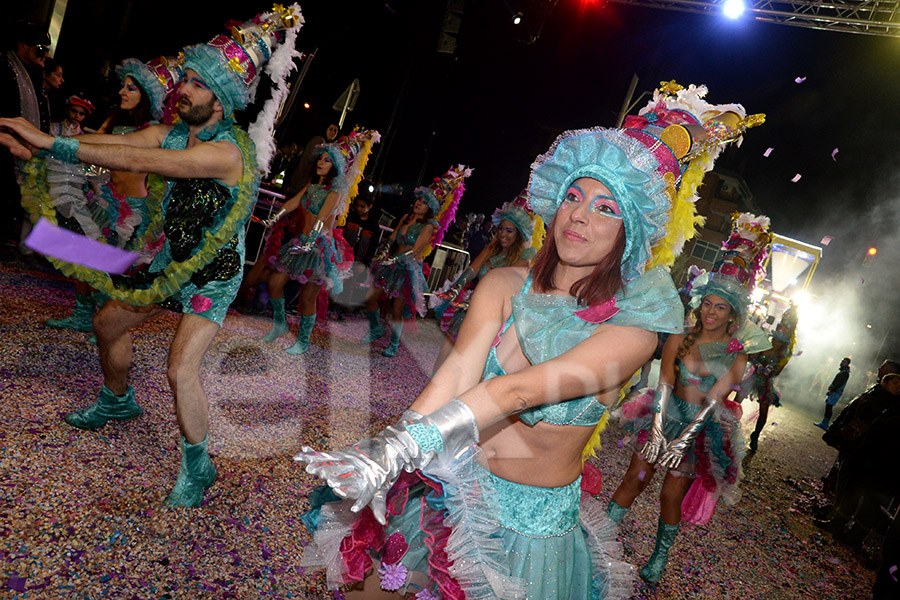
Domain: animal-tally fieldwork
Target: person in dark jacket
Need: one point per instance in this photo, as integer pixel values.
(835, 391)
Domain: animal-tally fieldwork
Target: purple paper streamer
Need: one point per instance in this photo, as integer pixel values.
(69, 246)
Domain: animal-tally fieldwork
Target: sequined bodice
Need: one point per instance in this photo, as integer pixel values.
(500, 261)
(688, 379)
(314, 198)
(412, 233)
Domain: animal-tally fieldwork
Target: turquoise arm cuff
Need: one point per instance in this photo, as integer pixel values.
(65, 149)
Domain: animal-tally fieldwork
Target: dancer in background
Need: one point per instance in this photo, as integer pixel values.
(493, 508)
(397, 269)
(767, 365)
(122, 204)
(312, 258)
(691, 430)
(518, 236)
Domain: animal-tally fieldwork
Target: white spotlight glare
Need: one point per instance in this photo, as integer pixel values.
(517, 18)
(733, 9)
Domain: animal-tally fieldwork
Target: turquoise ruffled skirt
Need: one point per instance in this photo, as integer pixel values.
(321, 266)
(469, 534)
(403, 279)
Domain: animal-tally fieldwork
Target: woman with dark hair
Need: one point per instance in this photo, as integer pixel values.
(399, 276)
(126, 211)
(475, 492)
(312, 258)
(691, 430)
(514, 244)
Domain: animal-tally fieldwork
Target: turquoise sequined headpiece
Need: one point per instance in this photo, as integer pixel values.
(158, 78)
(623, 165)
(229, 64)
(740, 266)
(516, 213)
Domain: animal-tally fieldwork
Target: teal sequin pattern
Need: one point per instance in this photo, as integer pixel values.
(428, 437)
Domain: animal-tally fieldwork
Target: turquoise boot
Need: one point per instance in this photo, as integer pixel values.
(665, 536)
(81, 317)
(615, 512)
(279, 325)
(195, 474)
(306, 327)
(396, 331)
(107, 407)
(375, 328)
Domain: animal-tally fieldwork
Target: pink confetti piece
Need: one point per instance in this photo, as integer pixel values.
(768, 152)
(834, 154)
(863, 280)
(826, 240)
(796, 178)
(799, 79)
(66, 245)
(892, 572)
(736, 388)
(642, 475)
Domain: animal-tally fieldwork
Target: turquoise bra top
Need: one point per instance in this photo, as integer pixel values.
(688, 379)
(314, 198)
(547, 326)
(500, 261)
(412, 233)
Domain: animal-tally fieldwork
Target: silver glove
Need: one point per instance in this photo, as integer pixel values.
(656, 441)
(366, 470)
(679, 446)
(397, 258)
(268, 223)
(310, 242)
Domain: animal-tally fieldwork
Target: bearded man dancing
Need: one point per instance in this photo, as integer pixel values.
(212, 172)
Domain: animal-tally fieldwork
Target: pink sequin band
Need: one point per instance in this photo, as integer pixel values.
(735, 271)
(235, 55)
(663, 155)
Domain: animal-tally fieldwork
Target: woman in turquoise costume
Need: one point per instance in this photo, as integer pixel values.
(120, 205)
(514, 244)
(688, 427)
(399, 276)
(475, 493)
(768, 365)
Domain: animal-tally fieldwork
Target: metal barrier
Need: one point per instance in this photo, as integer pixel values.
(256, 234)
(446, 264)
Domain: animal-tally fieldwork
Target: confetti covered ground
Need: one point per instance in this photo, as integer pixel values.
(81, 513)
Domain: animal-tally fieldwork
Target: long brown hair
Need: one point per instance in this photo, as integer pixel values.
(599, 286)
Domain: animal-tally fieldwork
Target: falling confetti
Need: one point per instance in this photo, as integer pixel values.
(826, 240)
(796, 178)
(834, 154)
(768, 152)
(799, 79)
(892, 572)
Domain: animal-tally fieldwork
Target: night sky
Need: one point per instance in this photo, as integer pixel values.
(498, 102)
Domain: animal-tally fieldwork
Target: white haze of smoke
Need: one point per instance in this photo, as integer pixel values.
(853, 308)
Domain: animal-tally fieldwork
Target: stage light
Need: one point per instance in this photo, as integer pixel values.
(733, 8)
(306, 105)
(873, 251)
(371, 189)
(517, 18)
(800, 298)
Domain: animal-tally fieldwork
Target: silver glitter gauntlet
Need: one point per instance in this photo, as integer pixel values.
(274, 218)
(366, 470)
(679, 446)
(656, 441)
(311, 238)
(397, 258)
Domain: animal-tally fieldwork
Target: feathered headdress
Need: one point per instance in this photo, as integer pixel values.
(229, 65)
(349, 154)
(442, 197)
(158, 78)
(740, 266)
(529, 225)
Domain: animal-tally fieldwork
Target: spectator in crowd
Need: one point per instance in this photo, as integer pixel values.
(835, 391)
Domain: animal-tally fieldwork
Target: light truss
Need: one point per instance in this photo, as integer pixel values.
(866, 17)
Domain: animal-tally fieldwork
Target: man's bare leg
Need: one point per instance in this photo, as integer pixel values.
(196, 473)
(116, 398)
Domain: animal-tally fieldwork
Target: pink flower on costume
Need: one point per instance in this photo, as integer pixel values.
(734, 346)
(393, 576)
(591, 479)
(200, 303)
